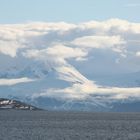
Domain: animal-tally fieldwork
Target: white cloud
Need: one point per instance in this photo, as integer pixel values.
(138, 54)
(57, 51)
(99, 41)
(10, 82)
(89, 89)
(38, 47)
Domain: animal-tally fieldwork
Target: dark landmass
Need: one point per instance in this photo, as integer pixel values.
(14, 104)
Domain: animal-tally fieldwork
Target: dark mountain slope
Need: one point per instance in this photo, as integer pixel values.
(14, 104)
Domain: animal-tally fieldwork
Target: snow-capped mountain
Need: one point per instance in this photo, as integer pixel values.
(46, 103)
(91, 103)
(86, 66)
(14, 104)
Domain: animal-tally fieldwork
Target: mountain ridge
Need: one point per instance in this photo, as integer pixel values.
(16, 105)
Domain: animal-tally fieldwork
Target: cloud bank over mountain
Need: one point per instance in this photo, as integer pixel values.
(28, 52)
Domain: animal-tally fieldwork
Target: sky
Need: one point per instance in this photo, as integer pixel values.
(57, 48)
(75, 11)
